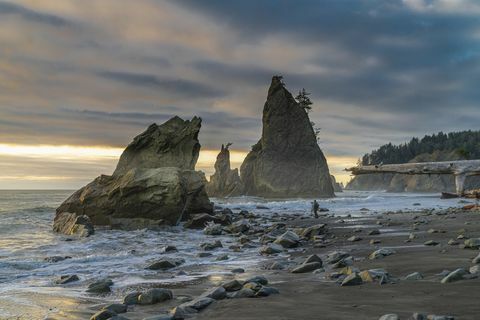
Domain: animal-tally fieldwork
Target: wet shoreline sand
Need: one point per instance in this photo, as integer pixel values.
(314, 295)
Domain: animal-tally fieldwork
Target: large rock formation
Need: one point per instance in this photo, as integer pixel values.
(225, 182)
(287, 161)
(154, 182)
(337, 186)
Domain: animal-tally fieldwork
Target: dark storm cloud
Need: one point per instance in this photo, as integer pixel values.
(392, 57)
(7, 8)
(185, 87)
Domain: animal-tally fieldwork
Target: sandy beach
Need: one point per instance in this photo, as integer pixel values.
(319, 295)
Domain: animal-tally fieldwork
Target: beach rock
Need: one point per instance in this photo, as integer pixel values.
(258, 279)
(336, 256)
(354, 239)
(288, 240)
(217, 293)
(154, 182)
(238, 270)
(72, 224)
(164, 264)
(67, 279)
(380, 253)
(307, 267)
(199, 303)
(181, 312)
(431, 243)
(116, 307)
(240, 226)
(271, 248)
(266, 291)
(390, 316)
(243, 293)
(155, 295)
(99, 287)
(131, 298)
(414, 276)
(225, 182)
(103, 315)
(276, 266)
(315, 230)
(287, 161)
(54, 259)
(475, 269)
(213, 229)
(313, 258)
(374, 232)
(199, 221)
(456, 275)
(473, 243)
(208, 246)
(476, 260)
(352, 280)
(233, 285)
(421, 316)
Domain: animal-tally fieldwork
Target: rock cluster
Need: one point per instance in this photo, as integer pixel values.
(154, 183)
(287, 161)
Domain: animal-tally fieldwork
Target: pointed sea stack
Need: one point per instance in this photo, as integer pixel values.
(287, 161)
(225, 182)
(154, 184)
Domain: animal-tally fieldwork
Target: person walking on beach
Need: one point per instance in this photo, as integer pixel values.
(315, 207)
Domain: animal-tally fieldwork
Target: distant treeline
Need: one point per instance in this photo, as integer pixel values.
(466, 145)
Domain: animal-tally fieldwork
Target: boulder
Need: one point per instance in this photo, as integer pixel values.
(154, 183)
(271, 248)
(380, 253)
(353, 279)
(155, 295)
(199, 221)
(286, 161)
(307, 267)
(288, 240)
(72, 224)
(225, 182)
(456, 275)
(473, 243)
(67, 279)
(99, 287)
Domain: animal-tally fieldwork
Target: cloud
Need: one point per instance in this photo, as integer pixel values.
(98, 73)
(7, 8)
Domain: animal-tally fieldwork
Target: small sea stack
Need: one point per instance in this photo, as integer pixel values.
(225, 182)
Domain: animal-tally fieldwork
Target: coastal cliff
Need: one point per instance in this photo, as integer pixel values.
(286, 161)
(154, 183)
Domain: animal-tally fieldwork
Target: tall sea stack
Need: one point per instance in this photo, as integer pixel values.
(287, 161)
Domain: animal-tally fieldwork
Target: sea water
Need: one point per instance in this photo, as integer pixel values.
(26, 239)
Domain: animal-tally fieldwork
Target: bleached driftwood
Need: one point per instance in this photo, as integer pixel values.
(460, 169)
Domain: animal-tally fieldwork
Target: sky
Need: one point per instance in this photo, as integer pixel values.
(80, 78)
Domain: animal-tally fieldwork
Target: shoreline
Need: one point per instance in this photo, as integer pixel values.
(309, 295)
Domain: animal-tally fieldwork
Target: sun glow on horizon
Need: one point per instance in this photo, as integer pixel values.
(109, 155)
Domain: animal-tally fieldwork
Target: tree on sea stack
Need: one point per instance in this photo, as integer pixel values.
(304, 100)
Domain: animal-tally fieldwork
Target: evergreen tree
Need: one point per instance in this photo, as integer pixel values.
(303, 99)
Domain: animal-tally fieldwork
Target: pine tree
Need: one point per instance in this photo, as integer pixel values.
(303, 99)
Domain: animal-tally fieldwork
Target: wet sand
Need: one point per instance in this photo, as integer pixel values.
(315, 296)
(311, 296)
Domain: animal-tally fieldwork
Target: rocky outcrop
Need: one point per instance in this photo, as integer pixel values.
(337, 186)
(225, 182)
(414, 183)
(149, 187)
(287, 161)
(72, 224)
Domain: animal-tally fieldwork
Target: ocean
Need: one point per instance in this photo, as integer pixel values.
(26, 239)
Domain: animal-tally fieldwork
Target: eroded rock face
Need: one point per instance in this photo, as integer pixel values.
(225, 182)
(147, 189)
(72, 224)
(287, 161)
(172, 144)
